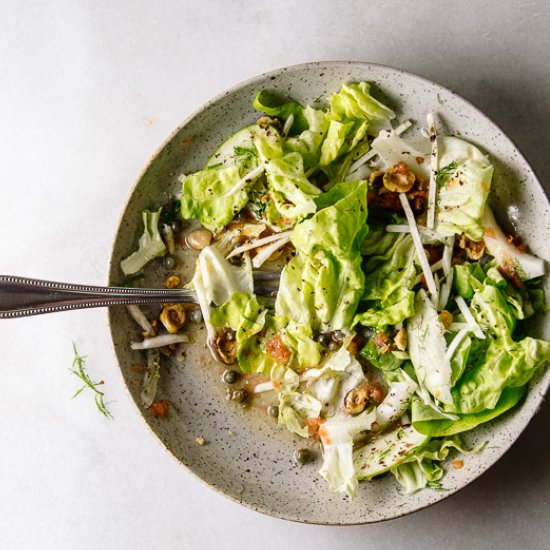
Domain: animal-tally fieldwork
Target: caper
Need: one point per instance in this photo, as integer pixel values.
(240, 395)
(323, 339)
(230, 376)
(273, 411)
(302, 456)
(169, 261)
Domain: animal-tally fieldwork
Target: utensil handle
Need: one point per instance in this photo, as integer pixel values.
(21, 297)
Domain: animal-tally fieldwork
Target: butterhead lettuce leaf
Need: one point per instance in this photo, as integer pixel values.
(322, 284)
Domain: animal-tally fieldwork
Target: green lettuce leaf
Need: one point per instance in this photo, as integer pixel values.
(213, 197)
(375, 355)
(462, 197)
(246, 317)
(298, 338)
(428, 422)
(276, 105)
(150, 244)
(308, 142)
(422, 469)
(507, 364)
(322, 284)
(390, 277)
(291, 194)
(352, 112)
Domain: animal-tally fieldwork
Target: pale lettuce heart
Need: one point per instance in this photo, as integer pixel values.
(337, 435)
(150, 244)
(462, 194)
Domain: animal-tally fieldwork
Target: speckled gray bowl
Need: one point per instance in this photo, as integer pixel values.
(247, 457)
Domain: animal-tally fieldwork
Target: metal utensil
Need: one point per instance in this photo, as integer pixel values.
(22, 297)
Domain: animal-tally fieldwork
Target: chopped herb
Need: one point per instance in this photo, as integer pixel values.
(213, 166)
(444, 173)
(79, 369)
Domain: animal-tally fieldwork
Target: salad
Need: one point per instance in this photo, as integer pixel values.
(399, 317)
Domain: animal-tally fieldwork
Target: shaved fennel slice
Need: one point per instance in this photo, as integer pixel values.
(420, 252)
(432, 191)
(395, 403)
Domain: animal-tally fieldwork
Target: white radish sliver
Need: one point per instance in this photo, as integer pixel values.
(260, 242)
(160, 341)
(420, 252)
(262, 256)
(472, 323)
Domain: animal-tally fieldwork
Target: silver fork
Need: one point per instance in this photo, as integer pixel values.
(21, 297)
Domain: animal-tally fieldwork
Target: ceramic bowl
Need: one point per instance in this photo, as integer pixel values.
(247, 457)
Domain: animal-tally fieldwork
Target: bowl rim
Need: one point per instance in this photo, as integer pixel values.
(111, 265)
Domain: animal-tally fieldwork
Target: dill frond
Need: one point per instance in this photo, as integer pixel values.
(79, 369)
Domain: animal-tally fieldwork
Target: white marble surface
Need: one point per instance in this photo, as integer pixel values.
(89, 90)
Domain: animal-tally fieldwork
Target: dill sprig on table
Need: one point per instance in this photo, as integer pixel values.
(79, 369)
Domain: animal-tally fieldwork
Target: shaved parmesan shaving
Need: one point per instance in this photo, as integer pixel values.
(457, 340)
(420, 252)
(160, 341)
(432, 192)
(262, 256)
(372, 153)
(264, 386)
(472, 323)
(288, 125)
(260, 242)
